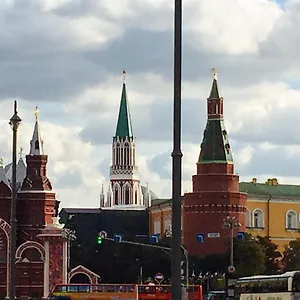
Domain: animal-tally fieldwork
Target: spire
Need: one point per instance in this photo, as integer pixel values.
(124, 127)
(36, 144)
(102, 197)
(215, 147)
(214, 93)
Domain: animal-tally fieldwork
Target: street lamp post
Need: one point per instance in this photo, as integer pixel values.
(14, 122)
(177, 157)
(231, 223)
(69, 235)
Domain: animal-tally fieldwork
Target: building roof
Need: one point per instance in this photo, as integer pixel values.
(270, 188)
(21, 171)
(124, 126)
(215, 147)
(3, 177)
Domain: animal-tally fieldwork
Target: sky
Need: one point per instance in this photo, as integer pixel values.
(67, 57)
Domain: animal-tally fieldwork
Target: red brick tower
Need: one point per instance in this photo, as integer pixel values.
(215, 187)
(36, 200)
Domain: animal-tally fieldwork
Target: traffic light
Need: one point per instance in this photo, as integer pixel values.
(99, 239)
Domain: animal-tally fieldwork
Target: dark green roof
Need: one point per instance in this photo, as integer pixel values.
(214, 93)
(215, 147)
(124, 127)
(265, 189)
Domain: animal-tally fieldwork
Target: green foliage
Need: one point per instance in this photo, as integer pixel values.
(249, 257)
(272, 255)
(291, 256)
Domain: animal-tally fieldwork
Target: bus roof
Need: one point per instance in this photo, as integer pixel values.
(287, 274)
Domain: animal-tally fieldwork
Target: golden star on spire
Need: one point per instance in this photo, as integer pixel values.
(214, 73)
(36, 113)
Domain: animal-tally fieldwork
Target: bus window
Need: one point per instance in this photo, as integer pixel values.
(296, 282)
(60, 289)
(83, 288)
(282, 285)
(72, 289)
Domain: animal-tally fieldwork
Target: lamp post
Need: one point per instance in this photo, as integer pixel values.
(14, 122)
(177, 157)
(69, 235)
(231, 223)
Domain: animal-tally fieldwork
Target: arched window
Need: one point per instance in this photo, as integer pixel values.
(258, 218)
(37, 145)
(127, 194)
(136, 197)
(116, 195)
(126, 159)
(291, 220)
(248, 218)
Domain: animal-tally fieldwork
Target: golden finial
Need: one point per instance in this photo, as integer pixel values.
(124, 75)
(21, 152)
(214, 73)
(1, 162)
(36, 113)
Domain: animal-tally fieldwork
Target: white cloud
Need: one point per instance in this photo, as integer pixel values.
(233, 27)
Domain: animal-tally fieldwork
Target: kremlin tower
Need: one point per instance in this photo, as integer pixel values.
(215, 196)
(125, 190)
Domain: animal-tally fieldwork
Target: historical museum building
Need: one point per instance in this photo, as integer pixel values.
(41, 249)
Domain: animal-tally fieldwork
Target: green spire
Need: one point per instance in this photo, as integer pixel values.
(124, 127)
(214, 93)
(215, 147)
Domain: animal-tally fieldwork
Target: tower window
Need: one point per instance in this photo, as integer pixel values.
(136, 198)
(37, 145)
(127, 195)
(116, 196)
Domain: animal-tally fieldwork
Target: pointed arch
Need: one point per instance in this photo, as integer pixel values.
(117, 193)
(291, 220)
(126, 153)
(127, 193)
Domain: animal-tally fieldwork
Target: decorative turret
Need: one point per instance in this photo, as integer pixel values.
(124, 177)
(36, 178)
(215, 147)
(102, 197)
(37, 204)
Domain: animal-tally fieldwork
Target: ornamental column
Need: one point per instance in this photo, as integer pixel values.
(55, 266)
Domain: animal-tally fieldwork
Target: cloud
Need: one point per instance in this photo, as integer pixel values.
(67, 57)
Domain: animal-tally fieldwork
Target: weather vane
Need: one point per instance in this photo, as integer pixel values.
(36, 113)
(214, 73)
(124, 75)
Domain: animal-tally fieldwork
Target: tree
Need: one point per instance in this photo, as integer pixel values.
(272, 255)
(249, 257)
(291, 256)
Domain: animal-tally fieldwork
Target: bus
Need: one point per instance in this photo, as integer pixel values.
(119, 291)
(269, 287)
(93, 291)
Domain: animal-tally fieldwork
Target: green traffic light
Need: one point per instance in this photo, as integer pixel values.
(99, 240)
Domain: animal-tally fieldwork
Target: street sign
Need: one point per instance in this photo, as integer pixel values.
(213, 235)
(231, 269)
(159, 278)
(103, 234)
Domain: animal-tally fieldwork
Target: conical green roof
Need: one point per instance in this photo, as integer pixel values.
(124, 127)
(215, 147)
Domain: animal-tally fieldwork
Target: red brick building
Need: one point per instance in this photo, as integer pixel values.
(41, 250)
(215, 192)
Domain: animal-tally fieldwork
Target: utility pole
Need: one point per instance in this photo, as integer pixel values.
(14, 123)
(177, 157)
